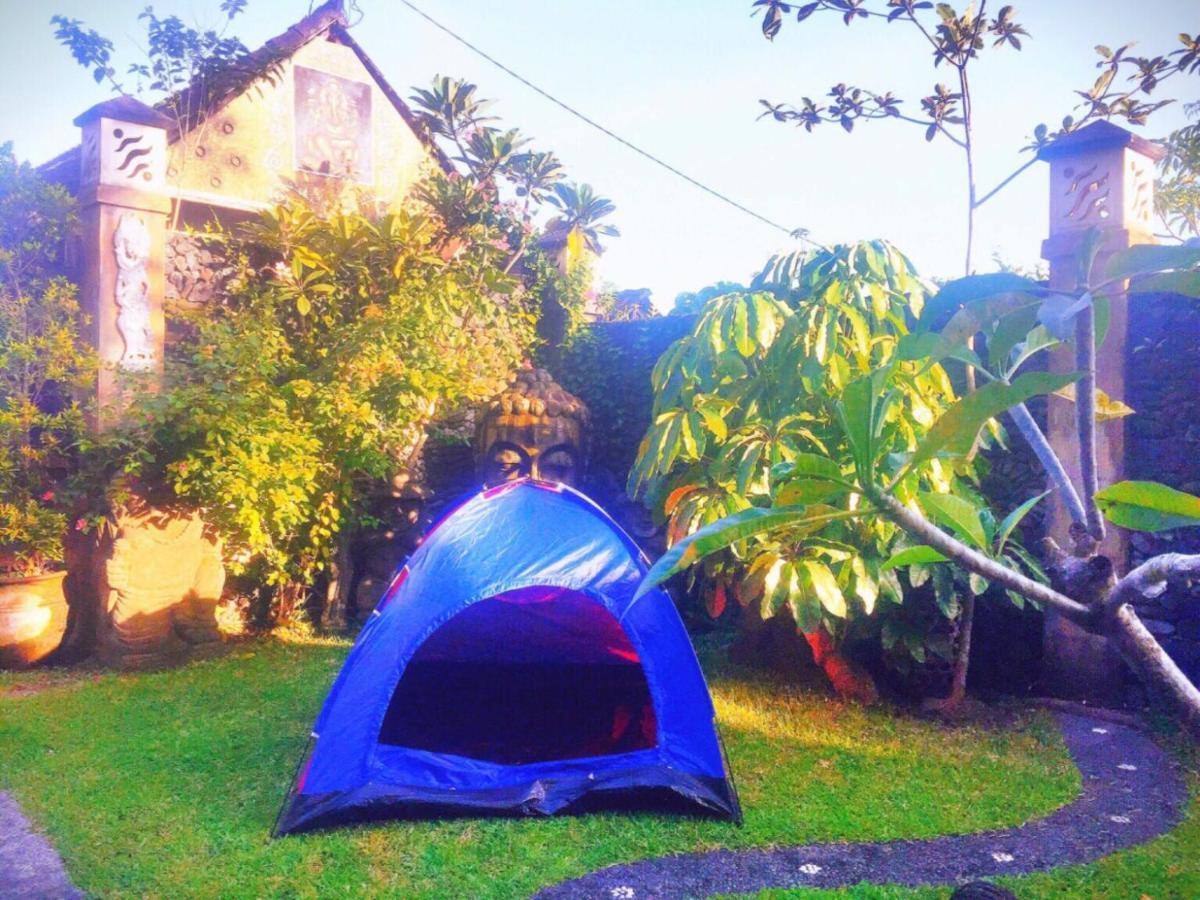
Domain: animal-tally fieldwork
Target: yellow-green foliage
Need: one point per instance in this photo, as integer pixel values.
(341, 337)
(746, 418)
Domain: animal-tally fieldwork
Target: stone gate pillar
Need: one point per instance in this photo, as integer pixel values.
(1101, 176)
(124, 208)
(145, 587)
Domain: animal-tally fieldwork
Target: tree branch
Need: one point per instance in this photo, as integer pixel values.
(1050, 462)
(974, 561)
(1085, 417)
(1148, 579)
(1155, 667)
(1004, 183)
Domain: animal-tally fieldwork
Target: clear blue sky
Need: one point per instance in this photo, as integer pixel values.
(682, 78)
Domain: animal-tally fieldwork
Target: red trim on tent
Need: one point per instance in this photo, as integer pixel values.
(390, 593)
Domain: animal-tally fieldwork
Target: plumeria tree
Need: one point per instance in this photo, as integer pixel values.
(1020, 320)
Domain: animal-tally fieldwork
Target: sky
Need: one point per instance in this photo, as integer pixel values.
(682, 79)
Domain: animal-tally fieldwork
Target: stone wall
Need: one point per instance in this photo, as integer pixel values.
(1163, 444)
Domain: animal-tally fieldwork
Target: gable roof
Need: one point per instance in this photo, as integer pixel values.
(328, 19)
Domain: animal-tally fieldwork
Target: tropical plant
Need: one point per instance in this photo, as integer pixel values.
(958, 40)
(690, 302)
(1021, 319)
(575, 227)
(316, 375)
(1177, 192)
(497, 162)
(748, 423)
(43, 366)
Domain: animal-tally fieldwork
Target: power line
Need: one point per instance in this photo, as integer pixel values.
(791, 232)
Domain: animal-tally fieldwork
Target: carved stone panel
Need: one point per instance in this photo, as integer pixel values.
(333, 125)
(131, 248)
(123, 154)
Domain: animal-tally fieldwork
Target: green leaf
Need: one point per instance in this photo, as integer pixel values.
(955, 431)
(861, 411)
(1144, 259)
(959, 515)
(1185, 283)
(1013, 519)
(978, 583)
(919, 555)
(1148, 506)
(971, 290)
(824, 586)
(722, 534)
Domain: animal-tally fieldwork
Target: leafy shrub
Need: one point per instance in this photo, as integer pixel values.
(746, 417)
(42, 363)
(341, 337)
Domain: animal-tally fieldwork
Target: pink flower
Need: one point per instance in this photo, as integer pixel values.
(48, 496)
(81, 524)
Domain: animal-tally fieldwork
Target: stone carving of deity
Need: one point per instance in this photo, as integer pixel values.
(131, 246)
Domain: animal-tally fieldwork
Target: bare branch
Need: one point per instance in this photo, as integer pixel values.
(1085, 417)
(1149, 579)
(1004, 183)
(1155, 667)
(1050, 462)
(974, 561)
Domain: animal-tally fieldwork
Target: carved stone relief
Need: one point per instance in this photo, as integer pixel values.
(1087, 194)
(126, 155)
(333, 125)
(131, 247)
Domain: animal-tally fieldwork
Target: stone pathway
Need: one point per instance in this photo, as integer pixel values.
(1132, 792)
(29, 867)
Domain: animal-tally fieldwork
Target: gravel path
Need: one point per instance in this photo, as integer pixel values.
(1132, 792)
(29, 867)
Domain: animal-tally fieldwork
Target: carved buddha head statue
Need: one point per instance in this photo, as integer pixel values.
(533, 428)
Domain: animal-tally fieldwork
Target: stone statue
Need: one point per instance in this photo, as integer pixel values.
(131, 246)
(159, 580)
(533, 428)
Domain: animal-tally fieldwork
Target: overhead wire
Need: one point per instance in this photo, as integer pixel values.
(790, 232)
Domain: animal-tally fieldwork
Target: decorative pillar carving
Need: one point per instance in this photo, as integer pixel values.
(149, 583)
(124, 203)
(1101, 176)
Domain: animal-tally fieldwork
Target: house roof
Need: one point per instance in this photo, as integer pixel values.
(328, 19)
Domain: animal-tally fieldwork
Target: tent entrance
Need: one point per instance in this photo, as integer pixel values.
(532, 675)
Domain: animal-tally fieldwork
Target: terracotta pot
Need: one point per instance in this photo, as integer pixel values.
(33, 618)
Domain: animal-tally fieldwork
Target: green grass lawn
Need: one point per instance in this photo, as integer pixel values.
(167, 784)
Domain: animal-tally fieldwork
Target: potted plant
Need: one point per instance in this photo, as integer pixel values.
(42, 367)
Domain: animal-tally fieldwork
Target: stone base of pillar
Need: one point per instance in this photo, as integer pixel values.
(1079, 665)
(158, 579)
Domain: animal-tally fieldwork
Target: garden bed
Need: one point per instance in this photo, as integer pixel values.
(166, 784)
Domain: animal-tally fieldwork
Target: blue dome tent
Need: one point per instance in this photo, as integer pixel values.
(509, 670)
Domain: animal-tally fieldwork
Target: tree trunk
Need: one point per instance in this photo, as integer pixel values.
(849, 680)
(962, 661)
(337, 593)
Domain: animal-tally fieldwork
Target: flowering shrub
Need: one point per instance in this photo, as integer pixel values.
(41, 365)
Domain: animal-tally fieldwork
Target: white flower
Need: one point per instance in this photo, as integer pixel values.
(1100, 731)
(1126, 767)
(1120, 820)
(810, 869)
(1003, 857)
(622, 892)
